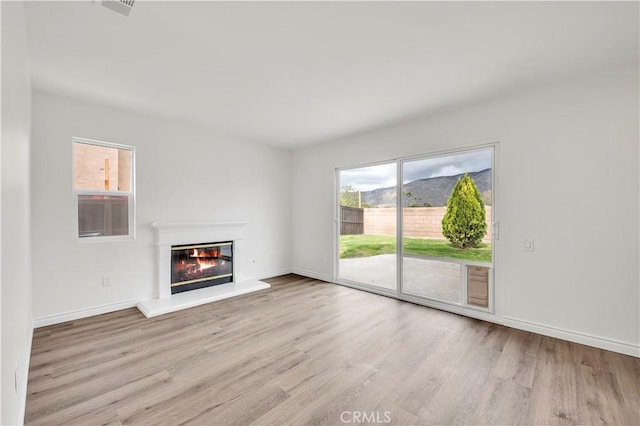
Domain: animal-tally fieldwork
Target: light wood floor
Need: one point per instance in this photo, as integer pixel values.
(305, 352)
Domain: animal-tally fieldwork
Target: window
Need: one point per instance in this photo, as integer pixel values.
(103, 188)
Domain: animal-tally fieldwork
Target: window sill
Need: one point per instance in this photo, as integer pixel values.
(106, 239)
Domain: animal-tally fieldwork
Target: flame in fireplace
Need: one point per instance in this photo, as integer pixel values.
(211, 253)
(205, 259)
(206, 264)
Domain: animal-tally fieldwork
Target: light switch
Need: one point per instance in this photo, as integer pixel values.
(528, 244)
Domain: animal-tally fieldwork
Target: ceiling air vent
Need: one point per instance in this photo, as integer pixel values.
(123, 7)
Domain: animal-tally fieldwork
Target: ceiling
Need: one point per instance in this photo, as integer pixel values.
(294, 73)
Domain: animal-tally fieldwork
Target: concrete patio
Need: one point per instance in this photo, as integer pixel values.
(422, 277)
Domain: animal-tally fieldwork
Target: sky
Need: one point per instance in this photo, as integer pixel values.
(384, 175)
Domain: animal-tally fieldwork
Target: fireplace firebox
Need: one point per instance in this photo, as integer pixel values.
(201, 265)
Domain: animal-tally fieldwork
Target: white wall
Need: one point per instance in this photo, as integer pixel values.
(182, 173)
(17, 321)
(570, 148)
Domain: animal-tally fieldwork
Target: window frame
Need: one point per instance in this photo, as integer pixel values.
(131, 194)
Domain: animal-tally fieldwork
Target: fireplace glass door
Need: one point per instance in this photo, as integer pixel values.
(201, 265)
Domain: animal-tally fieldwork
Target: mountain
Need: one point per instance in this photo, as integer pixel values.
(428, 192)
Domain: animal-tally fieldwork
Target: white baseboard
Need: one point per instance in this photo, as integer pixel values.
(84, 313)
(112, 307)
(311, 274)
(574, 336)
(276, 273)
(24, 379)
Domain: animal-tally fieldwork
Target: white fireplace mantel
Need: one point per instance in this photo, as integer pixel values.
(195, 232)
(176, 233)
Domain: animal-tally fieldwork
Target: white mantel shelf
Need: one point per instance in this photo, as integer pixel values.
(189, 299)
(195, 224)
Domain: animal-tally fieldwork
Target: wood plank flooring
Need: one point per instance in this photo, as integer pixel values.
(312, 353)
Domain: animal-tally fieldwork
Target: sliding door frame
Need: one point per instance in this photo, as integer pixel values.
(462, 308)
(336, 234)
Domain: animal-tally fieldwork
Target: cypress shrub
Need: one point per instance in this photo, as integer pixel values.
(464, 222)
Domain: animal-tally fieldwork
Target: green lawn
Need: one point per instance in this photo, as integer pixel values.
(371, 245)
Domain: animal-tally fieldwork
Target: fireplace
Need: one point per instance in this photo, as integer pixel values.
(213, 270)
(197, 266)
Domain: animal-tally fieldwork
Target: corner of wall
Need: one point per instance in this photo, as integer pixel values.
(15, 224)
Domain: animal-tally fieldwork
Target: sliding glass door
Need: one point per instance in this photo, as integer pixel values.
(420, 228)
(446, 223)
(368, 226)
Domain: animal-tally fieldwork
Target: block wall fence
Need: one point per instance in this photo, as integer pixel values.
(421, 222)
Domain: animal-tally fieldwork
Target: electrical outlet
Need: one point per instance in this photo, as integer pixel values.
(528, 244)
(106, 281)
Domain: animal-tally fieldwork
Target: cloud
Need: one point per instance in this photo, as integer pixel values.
(384, 175)
(369, 177)
(449, 165)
